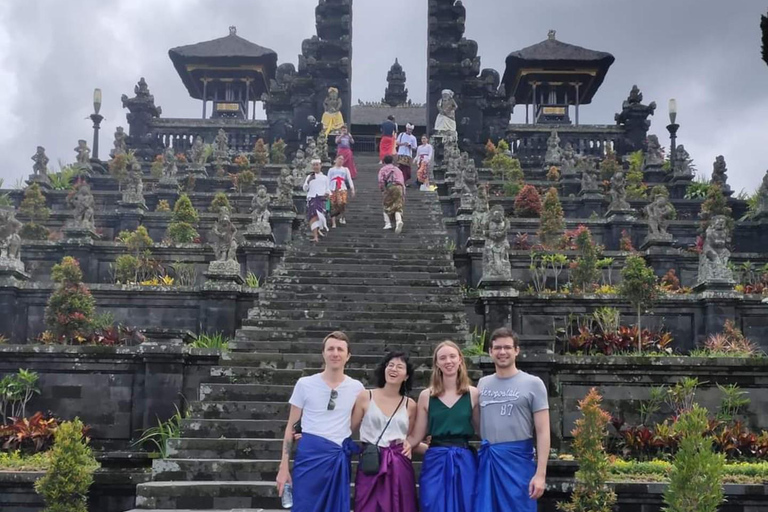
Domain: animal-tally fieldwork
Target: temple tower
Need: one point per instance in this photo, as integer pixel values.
(396, 94)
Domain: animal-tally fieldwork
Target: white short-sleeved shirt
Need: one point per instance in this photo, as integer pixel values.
(318, 186)
(312, 394)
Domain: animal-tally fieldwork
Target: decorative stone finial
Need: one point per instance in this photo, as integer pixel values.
(232, 30)
(551, 35)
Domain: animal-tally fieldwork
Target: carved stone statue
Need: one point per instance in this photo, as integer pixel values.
(119, 143)
(469, 184)
(133, 193)
(332, 119)
(554, 155)
(221, 147)
(83, 204)
(660, 211)
(589, 183)
(619, 193)
(83, 156)
(720, 174)
(299, 168)
(197, 152)
(634, 119)
(312, 150)
(169, 167)
(223, 237)
(654, 155)
(40, 167)
(568, 166)
(322, 148)
(762, 202)
(496, 265)
(260, 213)
(480, 214)
(285, 186)
(446, 113)
(714, 257)
(10, 241)
(684, 167)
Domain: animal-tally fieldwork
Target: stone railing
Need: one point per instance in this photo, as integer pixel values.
(180, 133)
(528, 142)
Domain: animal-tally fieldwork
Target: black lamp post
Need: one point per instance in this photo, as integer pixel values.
(97, 119)
(672, 127)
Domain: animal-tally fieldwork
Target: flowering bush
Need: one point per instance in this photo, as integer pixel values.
(528, 202)
(70, 308)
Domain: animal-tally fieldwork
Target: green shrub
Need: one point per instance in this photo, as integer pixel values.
(220, 201)
(585, 272)
(552, 219)
(638, 286)
(16, 390)
(715, 204)
(609, 166)
(695, 481)
(505, 166)
(590, 493)
(126, 269)
(70, 473)
(159, 436)
(214, 341)
(33, 207)
(69, 313)
(182, 230)
(260, 154)
(277, 152)
(636, 189)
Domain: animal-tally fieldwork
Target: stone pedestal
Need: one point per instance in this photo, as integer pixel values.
(463, 228)
(258, 249)
(196, 170)
(475, 253)
(223, 275)
(617, 222)
(592, 201)
(571, 185)
(282, 225)
(497, 298)
(13, 269)
(168, 183)
(300, 202)
(716, 288)
(657, 244)
(654, 175)
(41, 179)
(130, 215)
(78, 233)
(678, 184)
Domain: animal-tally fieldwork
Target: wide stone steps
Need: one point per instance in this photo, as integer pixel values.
(376, 253)
(257, 334)
(373, 290)
(360, 294)
(223, 495)
(355, 306)
(233, 428)
(416, 317)
(312, 358)
(265, 375)
(360, 348)
(356, 266)
(423, 277)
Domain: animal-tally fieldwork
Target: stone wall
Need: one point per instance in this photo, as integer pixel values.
(117, 391)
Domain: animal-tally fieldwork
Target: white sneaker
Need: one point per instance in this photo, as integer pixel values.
(387, 226)
(398, 227)
(342, 221)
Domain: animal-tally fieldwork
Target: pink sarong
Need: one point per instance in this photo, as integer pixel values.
(349, 160)
(386, 146)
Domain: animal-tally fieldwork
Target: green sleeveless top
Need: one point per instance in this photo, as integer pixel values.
(450, 423)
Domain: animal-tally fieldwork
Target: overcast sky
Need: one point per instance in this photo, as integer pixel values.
(704, 53)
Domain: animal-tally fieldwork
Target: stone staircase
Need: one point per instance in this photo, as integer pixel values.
(387, 291)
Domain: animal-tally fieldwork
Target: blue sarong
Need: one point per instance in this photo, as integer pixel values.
(321, 475)
(504, 474)
(447, 480)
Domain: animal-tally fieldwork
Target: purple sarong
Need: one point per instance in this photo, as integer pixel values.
(316, 208)
(393, 489)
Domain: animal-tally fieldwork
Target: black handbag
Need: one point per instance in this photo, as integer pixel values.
(370, 457)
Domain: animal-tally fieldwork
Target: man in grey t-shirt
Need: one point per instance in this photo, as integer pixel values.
(513, 409)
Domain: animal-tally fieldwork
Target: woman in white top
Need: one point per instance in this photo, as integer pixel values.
(341, 181)
(425, 155)
(394, 487)
(317, 187)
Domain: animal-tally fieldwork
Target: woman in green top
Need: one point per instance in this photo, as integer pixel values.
(448, 412)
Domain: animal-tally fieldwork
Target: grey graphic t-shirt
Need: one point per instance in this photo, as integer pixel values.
(507, 406)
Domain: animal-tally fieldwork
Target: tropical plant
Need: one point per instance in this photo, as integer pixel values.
(70, 308)
(16, 390)
(553, 174)
(584, 272)
(182, 230)
(260, 154)
(156, 169)
(70, 474)
(213, 341)
(625, 242)
(505, 166)
(698, 188)
(159, 436)
(557, 263)
(34, 208)
(730, 342)
(610, 165)
(636, 189)
(64, 179)
(185, 273)
(638, 286)
(590, 493)
(715, 204)
(490, 151)
(733, 402)
(163, 206)
(552, 219)
(252, 280)
(220, 201)
(528, 202)
(477, 344)
(277, 152)
(681, 397)
(28, 435)
(695, 463)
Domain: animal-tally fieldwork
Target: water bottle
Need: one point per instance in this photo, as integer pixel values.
(287, 496)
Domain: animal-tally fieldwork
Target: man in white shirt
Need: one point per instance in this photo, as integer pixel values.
(406, 145)
(323, 402)
(318, 189)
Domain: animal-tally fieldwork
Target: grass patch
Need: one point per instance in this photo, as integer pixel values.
(16, 461)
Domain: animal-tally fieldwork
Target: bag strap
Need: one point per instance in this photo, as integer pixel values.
(390, 418)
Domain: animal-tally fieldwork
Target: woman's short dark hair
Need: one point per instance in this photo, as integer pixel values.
(388, 159)
(381, 369)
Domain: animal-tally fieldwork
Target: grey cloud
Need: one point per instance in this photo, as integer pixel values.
(705, 54)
